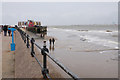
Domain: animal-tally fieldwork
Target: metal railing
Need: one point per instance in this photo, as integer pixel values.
(45, 53)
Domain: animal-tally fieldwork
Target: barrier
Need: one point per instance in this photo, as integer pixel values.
(45, 53)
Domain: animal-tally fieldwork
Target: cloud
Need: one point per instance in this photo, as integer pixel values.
(61, 13)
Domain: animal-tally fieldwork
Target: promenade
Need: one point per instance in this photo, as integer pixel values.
(7, 58)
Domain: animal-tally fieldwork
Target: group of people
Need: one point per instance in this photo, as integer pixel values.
(5, 29)
(52, 41)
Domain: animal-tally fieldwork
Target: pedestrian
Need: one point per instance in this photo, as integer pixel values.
(53, 40)
(9, 32)
(5, 30)
(50, 41)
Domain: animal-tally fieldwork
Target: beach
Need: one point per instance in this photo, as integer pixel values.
(87, 51)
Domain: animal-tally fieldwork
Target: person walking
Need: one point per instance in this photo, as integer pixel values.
(53, 40)
(9, 31)
(5, 30)
(50, 41)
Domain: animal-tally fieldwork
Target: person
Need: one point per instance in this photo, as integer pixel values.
(9, 32)
(50, 41)
(53, 40)
(5, 30)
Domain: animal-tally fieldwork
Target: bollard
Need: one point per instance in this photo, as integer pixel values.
(44, 70)
(32, 47)
(27, 41)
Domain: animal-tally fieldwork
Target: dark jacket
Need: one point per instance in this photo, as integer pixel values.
(5, 28)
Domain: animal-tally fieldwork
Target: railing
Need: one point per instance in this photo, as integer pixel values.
(44, 52)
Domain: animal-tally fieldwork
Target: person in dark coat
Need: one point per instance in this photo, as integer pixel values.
(9, 32)
(53, 40)
(5, 30)
(50, 41)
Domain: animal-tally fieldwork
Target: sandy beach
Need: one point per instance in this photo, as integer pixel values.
(88, 53)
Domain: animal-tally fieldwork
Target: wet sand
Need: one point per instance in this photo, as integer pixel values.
(89, 53)
(84, 57)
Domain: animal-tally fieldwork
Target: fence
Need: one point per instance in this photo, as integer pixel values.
(44, 52)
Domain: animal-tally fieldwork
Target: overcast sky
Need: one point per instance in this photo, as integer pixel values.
(60, 13)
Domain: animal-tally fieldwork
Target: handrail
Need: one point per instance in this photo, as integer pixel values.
(60, 65)
(45, 53)
(38, 61)
(75, 77)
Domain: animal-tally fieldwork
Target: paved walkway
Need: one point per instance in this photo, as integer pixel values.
(7, 58)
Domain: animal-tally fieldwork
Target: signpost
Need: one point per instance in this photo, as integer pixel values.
(12, 44)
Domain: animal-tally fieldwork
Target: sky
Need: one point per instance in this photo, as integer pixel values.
(60, 13)
(59, 0)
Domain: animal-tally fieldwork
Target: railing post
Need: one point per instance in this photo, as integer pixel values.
(24, 37)
(27, 41)
(32, 47)
(22, 34)
(44, 70)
